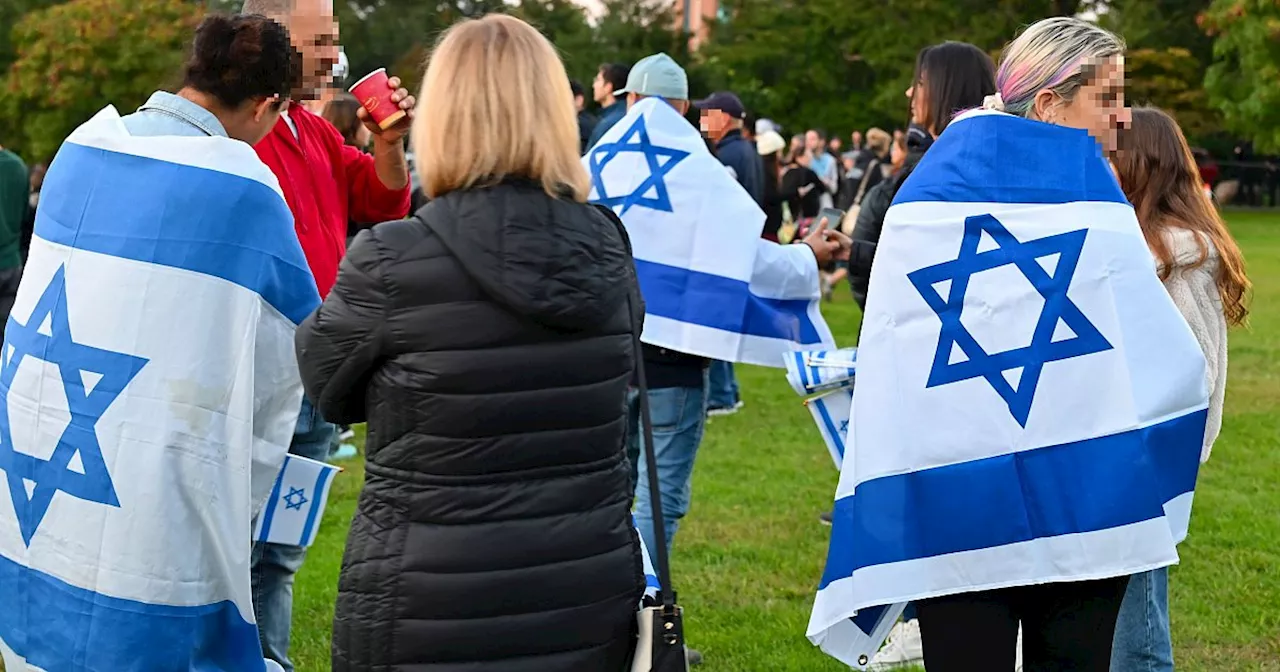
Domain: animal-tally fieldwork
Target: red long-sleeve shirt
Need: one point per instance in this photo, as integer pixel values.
(325, 183)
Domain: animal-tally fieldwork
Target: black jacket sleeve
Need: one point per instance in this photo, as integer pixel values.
(866, 234)
(340, 345)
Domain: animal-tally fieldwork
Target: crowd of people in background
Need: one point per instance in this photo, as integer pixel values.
(375, 351)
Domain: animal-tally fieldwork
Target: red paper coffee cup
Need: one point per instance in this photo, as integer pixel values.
(374, 94)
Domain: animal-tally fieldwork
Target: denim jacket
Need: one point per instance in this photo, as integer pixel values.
(167, 114)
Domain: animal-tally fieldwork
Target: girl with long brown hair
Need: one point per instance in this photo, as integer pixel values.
(1203, 269)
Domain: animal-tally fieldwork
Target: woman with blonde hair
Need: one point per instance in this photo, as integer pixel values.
(1203, 269)
(487, 342)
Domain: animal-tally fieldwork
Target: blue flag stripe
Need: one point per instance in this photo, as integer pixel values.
(220, 234)
(269, 513)
(722, 303)
(983, 160)
(317, 501)
(802, 370)
(831, 426)
(966, 506)
(120, 634)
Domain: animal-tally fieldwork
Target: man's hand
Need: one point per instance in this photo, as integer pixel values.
(404, 99)
(827, 245)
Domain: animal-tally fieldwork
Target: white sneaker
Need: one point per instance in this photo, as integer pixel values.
(726, 410)
(902, 649)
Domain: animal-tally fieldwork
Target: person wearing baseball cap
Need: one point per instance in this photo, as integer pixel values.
(658, 76)
(721, 120)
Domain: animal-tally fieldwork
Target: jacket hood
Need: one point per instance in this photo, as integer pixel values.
(561, 263)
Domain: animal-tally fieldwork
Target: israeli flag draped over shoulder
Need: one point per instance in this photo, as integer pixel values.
(151, 391)
(711, 285)
(1030, 405)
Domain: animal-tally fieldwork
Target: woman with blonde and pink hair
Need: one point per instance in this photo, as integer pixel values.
(1067, 72)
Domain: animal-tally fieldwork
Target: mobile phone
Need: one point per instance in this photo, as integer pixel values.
(833, 215)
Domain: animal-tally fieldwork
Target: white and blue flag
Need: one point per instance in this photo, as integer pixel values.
(292, 514)
(831, 413)
(1030, 405)
(711, 285)
(651, 583)
(817, 371)
(150, 394)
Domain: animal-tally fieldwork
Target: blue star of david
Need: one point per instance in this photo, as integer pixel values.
(844, 426)
(34, 481)
(295, 499)
(660, 161)
(1057, 307)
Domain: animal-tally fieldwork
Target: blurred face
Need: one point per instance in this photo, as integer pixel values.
(919, 95)
(834, 145)
(897, 155)
(601, 89)
(813, 141)
(254, 119)
(314, 34)
(714, 123)
(797, 143)
(579, 102)
(857, 140)
(1098, 106)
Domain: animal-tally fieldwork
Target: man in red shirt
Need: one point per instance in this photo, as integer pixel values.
(325, 183)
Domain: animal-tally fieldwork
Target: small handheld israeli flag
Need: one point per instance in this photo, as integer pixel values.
(817, 371)
(1030, 405)
(831, 413)
(711, 285)
(293, 512)
(150, 394)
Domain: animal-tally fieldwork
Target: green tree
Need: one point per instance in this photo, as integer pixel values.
(399, 34)
(565, 24)
(845, 64)
(378, 33)
(1160, 24)
(1244, 80)
(11, 12)
(71, 63)
(1172, 79)
(1168, 55)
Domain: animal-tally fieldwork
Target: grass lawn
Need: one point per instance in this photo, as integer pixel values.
(751, 551)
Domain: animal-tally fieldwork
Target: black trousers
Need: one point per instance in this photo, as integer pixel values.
(9, 279)
(1066, 627)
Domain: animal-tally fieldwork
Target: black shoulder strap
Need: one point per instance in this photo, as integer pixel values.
(668, 590)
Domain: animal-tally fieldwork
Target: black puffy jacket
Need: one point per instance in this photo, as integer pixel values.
(487, 342)
(869, 224)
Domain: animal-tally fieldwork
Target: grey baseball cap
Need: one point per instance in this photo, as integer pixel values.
(657, 75)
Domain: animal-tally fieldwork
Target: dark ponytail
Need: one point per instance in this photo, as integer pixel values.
(237, 58)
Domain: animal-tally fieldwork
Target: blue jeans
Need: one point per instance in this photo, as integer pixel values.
(1142, 642)
(723, 386)
(679, 418)
(274, 565)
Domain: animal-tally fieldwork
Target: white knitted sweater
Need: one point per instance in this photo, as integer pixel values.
(1195, 293)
